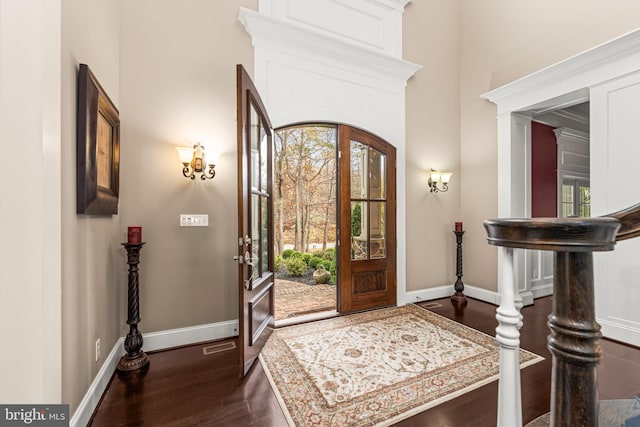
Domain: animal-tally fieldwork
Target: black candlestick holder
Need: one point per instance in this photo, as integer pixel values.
(459, 297)
(135, 357)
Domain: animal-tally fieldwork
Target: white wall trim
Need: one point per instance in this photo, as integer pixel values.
(269, 32)
(619, 330)
(542, 291)
(153, 341)
(92, 397)
(425, 295)
(492, 297)
(163, 340)
(571, 75)
(398, 5)
(447, 290)
(571, 135)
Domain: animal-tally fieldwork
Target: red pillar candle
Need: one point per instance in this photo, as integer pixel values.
(458, 226)
(134, 235)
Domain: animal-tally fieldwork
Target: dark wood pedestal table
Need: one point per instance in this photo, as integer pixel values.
(135, 358)
(459, 297)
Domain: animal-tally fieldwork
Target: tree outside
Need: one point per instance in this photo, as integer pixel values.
(305, 199)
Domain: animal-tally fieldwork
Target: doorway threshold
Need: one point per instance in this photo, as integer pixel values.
(306, 318)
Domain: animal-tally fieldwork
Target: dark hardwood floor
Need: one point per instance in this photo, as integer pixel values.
(183, 387)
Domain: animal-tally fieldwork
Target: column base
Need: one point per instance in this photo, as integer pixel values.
(132, 363)
(459, 298)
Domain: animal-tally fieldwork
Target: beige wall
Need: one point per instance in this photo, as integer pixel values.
(431, 38)
(178, 86)
(30, 324)
(502, 40)
(91, 259)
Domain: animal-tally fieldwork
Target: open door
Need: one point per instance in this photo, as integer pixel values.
(367, 204)
(255, 222)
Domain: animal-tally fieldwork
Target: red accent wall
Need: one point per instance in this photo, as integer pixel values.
(544, 164)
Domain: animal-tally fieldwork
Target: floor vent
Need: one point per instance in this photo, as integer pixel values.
(431, 305)
(218, 348)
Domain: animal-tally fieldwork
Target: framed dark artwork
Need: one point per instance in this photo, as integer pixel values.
(98, 148)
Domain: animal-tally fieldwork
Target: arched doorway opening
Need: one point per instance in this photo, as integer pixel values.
(334, 221)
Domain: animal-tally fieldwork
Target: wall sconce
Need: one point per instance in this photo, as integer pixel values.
(436, 177)
(193, 161)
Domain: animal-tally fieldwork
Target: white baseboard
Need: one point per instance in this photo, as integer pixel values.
(447, 290)
(491, 297)
(620, 331)
(152, 342)
(425, 295)
(190, 335)
(83, 413)
(542, 291)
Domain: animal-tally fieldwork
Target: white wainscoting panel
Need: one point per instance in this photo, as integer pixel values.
(614, 185)
(371, 24)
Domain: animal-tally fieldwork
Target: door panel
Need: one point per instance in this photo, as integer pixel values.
(255, 219)
(367, 268)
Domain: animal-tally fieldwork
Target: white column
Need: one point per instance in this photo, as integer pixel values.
(508, 336)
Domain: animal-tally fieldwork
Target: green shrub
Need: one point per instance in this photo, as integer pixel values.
(295, 266)
(356, 220)
(329, 254)
(318, 253)
(314, 261)
(278, 262)
(287, 253)
(306, 258)
(297, 254)
(326, 264)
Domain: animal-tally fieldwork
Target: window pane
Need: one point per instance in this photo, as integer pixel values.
(377, 165)
(255, 234)
(378, 230)
(567, 201)
(359, 231)
(358, 170)
(584, 193)
(263, 158)
(255, 148)
(265, 236)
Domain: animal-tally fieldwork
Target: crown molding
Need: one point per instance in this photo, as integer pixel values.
(270, 32)
(569, 115)
(398, 5)
(567, 134)
(580, 71)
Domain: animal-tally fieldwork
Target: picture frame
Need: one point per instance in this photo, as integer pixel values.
(97, 148)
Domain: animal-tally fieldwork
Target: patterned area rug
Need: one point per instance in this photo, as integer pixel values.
(378, 367)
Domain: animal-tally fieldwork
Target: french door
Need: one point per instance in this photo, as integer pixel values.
(367, 222)
(255, 222)
(367, 206)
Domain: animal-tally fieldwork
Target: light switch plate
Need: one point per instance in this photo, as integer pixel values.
(191, 220)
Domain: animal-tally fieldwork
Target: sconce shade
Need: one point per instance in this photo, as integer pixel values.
(436, 177)
(185, 154)
(213, 157)
(194, 162)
